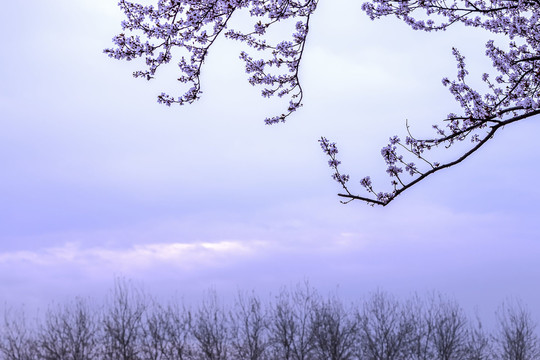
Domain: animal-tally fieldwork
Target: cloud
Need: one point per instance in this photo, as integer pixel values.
(187, 256)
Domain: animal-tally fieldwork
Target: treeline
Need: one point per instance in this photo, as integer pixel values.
(297, 324)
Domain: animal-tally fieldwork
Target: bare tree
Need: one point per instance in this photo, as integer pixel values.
(516, 337)
(291, 328)
(177, 323)
(211, 329)
(69, 332)
(478, 344)
(122, 322)
(421, 331)
(334, 330)
(385, 332)
(250, 328)
(153, 340)
(448, 324)
(165, 333)
(16, 339)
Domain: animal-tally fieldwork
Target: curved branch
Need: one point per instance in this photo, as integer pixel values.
(489, 136)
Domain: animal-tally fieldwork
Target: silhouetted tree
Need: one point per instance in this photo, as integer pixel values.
(478, 342)
(123, 322)
(211, 329)
(176, 322)
(516, 337)
(153, 340)
(449, 324)
(334, 330)
(17, 340)
(291, 323)
(385, 332)
(420, 346)
(249, 328)
(69, 332)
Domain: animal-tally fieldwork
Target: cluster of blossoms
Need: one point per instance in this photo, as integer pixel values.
(331, 150)
(194, 25)
(512, 94)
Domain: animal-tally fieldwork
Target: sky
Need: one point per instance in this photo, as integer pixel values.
(99, 181)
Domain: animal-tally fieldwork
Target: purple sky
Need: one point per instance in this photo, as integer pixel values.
(98, 180)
